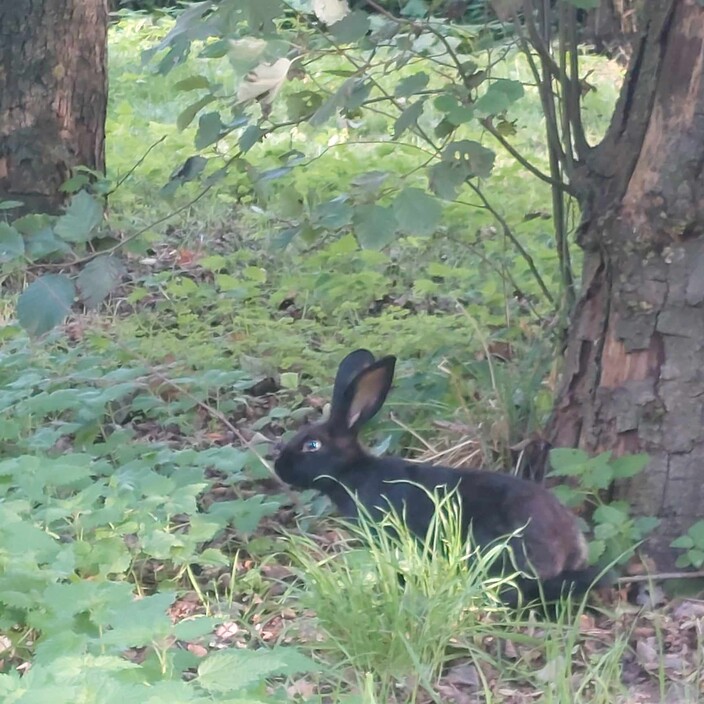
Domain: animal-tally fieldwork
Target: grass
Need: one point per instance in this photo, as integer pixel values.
(137, 508)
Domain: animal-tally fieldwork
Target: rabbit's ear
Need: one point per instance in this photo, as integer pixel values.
(349, 368)
(364, 396)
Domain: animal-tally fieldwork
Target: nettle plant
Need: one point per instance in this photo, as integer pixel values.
(617, 533)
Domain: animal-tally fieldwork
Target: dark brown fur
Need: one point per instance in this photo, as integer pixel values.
(328, 456)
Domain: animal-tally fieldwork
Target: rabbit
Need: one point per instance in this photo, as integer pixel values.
(328, 456)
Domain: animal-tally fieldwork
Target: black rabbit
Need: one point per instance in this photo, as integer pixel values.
(327, 456)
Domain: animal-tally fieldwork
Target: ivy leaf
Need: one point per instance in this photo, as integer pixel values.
(375, 226)
(45, 303)
(499, 96)
(416, 212)
(98, 277)
(11, 243)
(82, 216)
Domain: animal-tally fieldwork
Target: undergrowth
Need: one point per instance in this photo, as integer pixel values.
(141, 548)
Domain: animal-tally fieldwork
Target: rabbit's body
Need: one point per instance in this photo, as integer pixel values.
(328, 457)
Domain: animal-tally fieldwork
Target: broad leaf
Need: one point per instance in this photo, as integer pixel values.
(416, 212)
(187, 115)
(408, 118)
(82, 216)
(45, 303)
(11, 243)
(411, 84)
(500, 94)
(98, 277)
(374, 225)
(192, 83)
(352, 28)
(237, 670)
(209, 130)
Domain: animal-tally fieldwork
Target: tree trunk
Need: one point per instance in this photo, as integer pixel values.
(612, 26)
(53, 96)
(634, 368)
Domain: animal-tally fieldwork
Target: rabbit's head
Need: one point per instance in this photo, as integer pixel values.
(324, 450)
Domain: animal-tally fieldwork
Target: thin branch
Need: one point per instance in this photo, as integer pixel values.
(660, 576)
(508, 233)
(486, 123)
(136, 165)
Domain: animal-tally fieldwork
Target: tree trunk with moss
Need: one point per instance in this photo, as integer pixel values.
(634, 372)
(53, 96)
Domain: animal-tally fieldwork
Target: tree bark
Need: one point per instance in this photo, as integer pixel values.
(634, 367)
(612, 26)
(53, 96)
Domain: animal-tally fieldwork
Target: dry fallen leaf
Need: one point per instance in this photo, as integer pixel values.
(263, 82)
(330, 11)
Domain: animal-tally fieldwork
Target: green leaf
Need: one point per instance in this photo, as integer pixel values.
(98, 277)
(609, 514)
(303, 104)
(82, 216)
(628, 465)
(696, 532)
(499, 96)
(596, 549)
(416, 212)
(333, 214)
(250, 137)
(238, 670)
(209, 129)
(351, 28)
(374, 225)
(10, 204)
(187, 115)
(568, 462)
(410, 85)
(470, 157)
(11, 243)
(409, 117)
(684, 542)
(193, 83)
(696, 557)
(45, 303)
(261, 15)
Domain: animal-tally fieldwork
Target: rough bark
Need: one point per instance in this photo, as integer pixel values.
(53, 96)
(612, 26)
(634, 372)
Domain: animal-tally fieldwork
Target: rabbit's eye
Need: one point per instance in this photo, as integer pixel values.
(312, 445)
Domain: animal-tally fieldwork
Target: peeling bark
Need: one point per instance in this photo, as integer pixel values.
(634, 367)
(53, 96)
